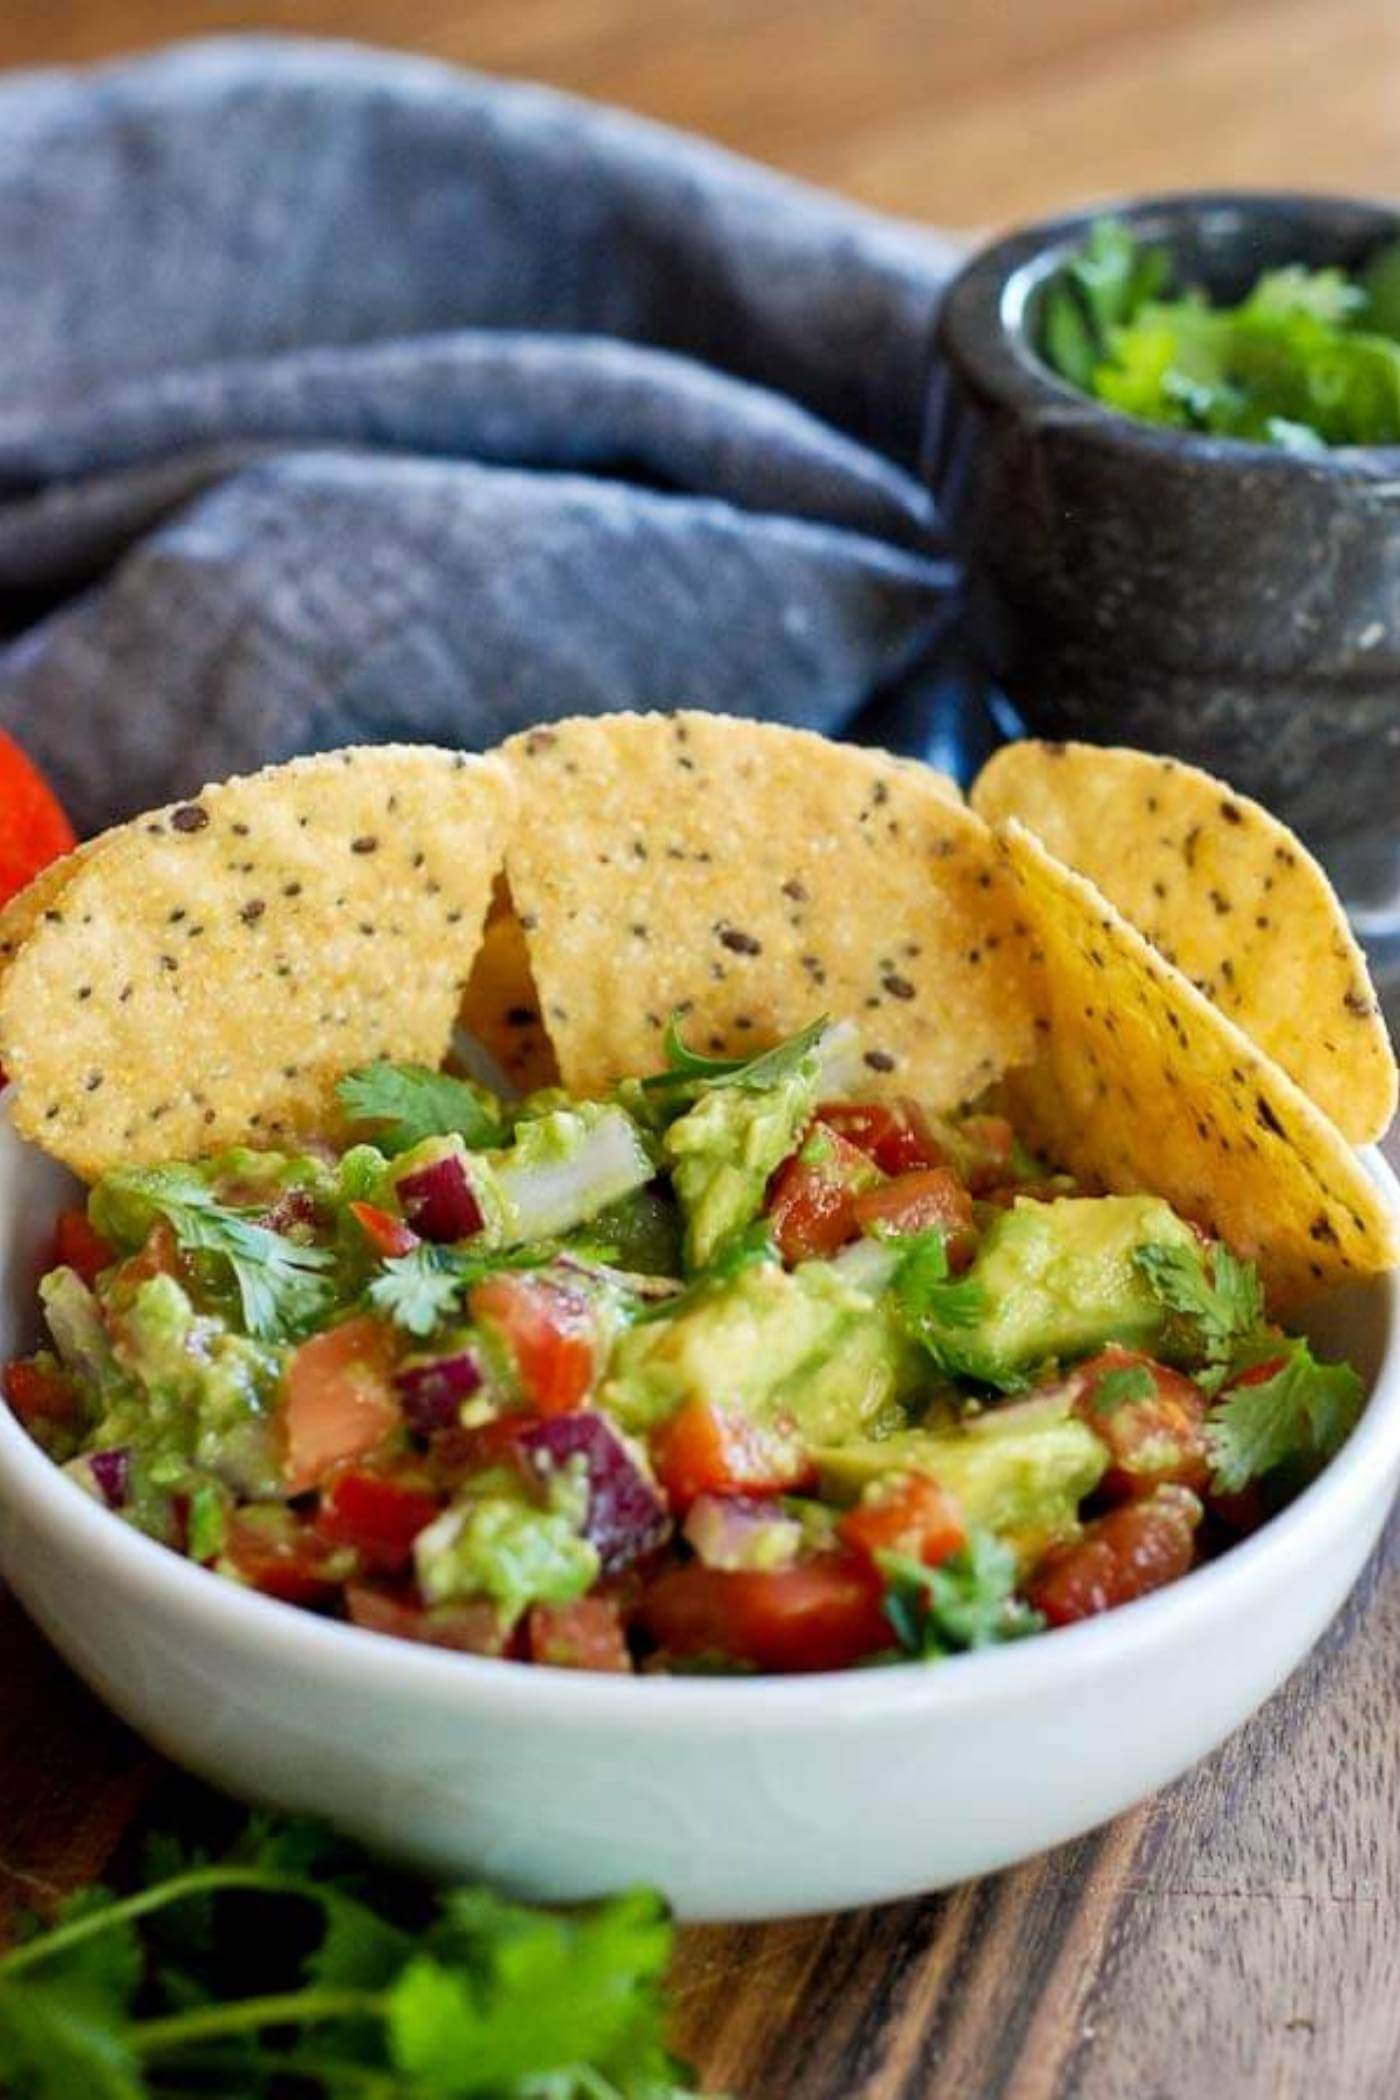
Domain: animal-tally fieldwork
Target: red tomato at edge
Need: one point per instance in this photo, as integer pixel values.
(33, 827)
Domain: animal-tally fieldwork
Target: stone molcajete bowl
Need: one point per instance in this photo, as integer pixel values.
(1234, 604)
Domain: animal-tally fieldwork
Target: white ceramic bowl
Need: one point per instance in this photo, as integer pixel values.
(740, 1798)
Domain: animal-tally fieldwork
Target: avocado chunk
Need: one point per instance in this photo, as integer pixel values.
(803, 1349)
(1052, 1281)
(1019, 1471)
(723, 1151)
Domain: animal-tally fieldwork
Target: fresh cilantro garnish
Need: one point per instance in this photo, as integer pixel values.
(686, 1067)
(419, 1291)
(1301, 1413)
(404, 1104)
(1309, 358)
(280, 1282)
(365, 1986)
(1222, 1308)
(969, 1601)
(1124, 1383)
(935, 1307)
(746, 1249)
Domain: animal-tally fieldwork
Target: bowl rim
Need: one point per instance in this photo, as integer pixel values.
(719, 1705)
(980, 329)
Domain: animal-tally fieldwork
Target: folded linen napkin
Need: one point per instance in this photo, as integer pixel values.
(346, 396)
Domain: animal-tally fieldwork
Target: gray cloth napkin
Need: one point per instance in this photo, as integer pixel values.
(346, 396)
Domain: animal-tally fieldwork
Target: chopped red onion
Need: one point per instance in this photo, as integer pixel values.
(432, 1392)
(439, 1201)
(626, 1515)
(742, 1531)
(111, 1473)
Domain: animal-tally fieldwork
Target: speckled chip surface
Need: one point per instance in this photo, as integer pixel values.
(1224, 891)
(208, 971)
(749, 878)
(1144, 1084)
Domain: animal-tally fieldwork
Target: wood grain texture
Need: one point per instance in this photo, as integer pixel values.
(972, 112)
(1235, 1939)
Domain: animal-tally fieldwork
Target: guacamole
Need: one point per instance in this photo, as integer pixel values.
(733, 1369)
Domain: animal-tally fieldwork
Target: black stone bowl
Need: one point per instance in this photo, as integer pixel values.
(1230, 603)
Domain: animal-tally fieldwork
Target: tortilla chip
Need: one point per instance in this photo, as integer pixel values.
(210, 970)
(28, 906)
(748, 878)
(1225, 892)
(1143, 1084)
(501, 1007)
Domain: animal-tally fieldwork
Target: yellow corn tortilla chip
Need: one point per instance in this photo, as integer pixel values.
(27, 907)
(748, 878)
(1143, 1084)
(501, 1007)
(208, 971)
(1225, 892)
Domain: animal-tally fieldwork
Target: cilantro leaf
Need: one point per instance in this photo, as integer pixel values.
(406, 1103)
(967, 1602)
(1123, 1384)
(1301, 1413)
(419, 1291)
(687, 1067)
(935, 1307)
(1222, 1310)
(364, 1984)
(280, 1285)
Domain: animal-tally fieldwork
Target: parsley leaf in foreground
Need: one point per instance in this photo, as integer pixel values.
(1290, 1409)
(280, 1284)
(967, 1602)
(1223, 1308)
(366, 1985)
(406, 1103)
(934, 1306)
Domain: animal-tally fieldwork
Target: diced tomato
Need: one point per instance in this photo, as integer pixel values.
(1139, 1547)
(895, 1134)
(38, 1395)
(708, 1450)
(378, 1512)
(932, 1200)
(160, 1256)
(912, 1515)
(337, 1401)
(474, 1628)
(388, 1235)
(586, 1635)
(1150, 1441)
(811, 1202)
(989, 1142)
(550, 1332)
(77, 1246)
(458, 1453)
(277, 1552)
(33, 827)
(824, 1614)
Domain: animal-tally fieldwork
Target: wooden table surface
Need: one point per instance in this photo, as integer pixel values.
(1236, 1939)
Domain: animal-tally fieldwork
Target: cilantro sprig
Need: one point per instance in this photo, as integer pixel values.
(1220, 1306)
(367, 1989)
(969, 1601)
(1299, 1414)
(282, 1287)
(403, 1104)
(687, 1067)
(935, 1307)
(422, 1290)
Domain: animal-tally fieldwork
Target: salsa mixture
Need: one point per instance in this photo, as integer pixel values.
(730, 1370)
